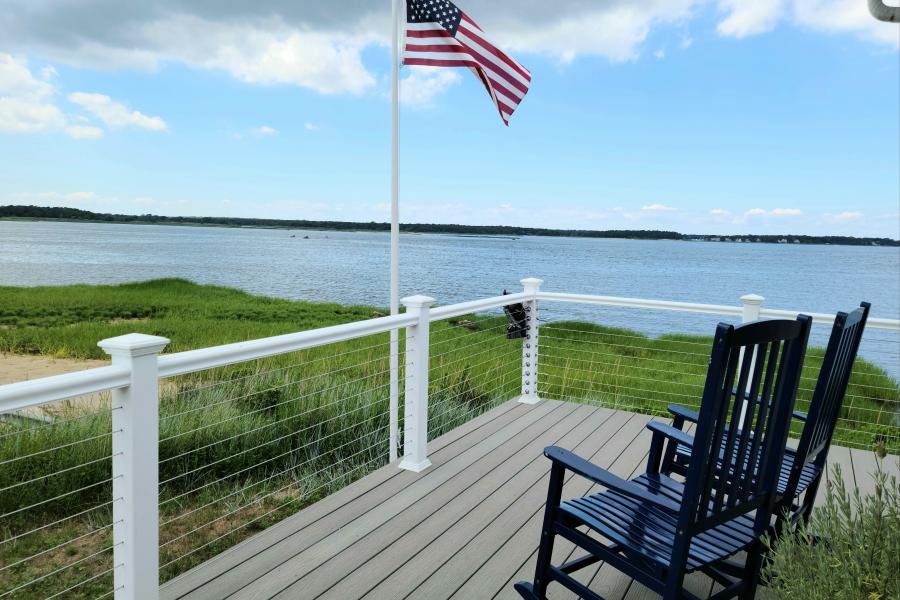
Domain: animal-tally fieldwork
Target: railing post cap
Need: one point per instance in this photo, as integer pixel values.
(133, 344)
(417, 301)
(752, 299)
(531, 282)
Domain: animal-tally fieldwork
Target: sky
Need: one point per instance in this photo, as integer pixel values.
(700, 116)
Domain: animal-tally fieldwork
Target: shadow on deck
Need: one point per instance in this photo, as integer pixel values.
(467, 527)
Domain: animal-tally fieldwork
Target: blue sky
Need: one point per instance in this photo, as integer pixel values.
(698, 116)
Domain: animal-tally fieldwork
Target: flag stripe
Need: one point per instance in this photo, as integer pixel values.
(490, 48)
(508, 74)
(427, 33)
(466, 18)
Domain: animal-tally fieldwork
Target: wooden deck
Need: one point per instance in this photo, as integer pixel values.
(467, 527)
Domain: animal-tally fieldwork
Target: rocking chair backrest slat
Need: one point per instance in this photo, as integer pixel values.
(738, 444)
(828, 395)
(736, 489)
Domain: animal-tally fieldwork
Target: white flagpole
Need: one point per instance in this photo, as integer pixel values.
(396, 14)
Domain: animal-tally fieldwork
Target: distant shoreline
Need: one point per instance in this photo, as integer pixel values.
(63, 214)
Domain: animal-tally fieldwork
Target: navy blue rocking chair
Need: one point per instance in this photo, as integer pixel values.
(656, 529)
(801, 468)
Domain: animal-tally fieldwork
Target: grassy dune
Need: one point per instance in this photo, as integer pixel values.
(243, 446)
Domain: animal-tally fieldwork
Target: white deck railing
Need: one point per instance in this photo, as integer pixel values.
(137, 368)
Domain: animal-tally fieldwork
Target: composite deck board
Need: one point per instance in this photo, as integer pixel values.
(467, 527)
(294, 567)
(488, 560)
(404, 537)
(472, 542)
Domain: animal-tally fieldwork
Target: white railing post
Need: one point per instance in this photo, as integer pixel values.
(415, 416)
(135, 467)
(530, 344)
(751, 304)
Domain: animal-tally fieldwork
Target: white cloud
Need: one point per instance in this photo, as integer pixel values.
(660, 54)
(326, 63)
(575, 28)
(28, 104)
(775, 212)
(115, 114)
(264, 130)
(847, 215)
(658, 208)
(84, 132)
(845, 16)
(786, 212)
(744, 18)
(749, 18)
(310, 126)
(719, 212)
(423, 84)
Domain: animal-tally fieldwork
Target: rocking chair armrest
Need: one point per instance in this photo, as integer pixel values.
(589, 470)
(683, 413)
(800, 415)
(670, 432)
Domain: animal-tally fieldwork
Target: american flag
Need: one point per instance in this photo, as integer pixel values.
(439, 34)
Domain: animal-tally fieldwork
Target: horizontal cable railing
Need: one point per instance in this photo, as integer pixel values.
(56, 499)
(473, 367)
(245, 445)
(624, 369)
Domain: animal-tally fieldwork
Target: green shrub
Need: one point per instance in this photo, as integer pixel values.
(849, 551)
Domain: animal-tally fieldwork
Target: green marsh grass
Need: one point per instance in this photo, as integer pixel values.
(243, 446)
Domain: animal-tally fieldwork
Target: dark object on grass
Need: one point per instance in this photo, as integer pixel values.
(467, 324)
(802, 468)
(660, 529)
(516, 320)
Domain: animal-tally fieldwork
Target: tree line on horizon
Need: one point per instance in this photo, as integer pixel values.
(77, 214)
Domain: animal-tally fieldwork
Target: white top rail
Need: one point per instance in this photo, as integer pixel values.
(24, 394)
(463, 308)
(219, 356)
(871, 322)
(709, 309)
(16, 396)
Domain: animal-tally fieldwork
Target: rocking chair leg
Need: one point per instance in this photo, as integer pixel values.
(754, 565)
(538, 590)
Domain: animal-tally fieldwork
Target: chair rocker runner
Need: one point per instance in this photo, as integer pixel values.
(801, 468)
(657, 529)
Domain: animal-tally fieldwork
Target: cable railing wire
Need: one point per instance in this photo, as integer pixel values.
(257, 447)
(304, 363)
(272, 511)
(39, 578)
(259, 499)
(269, 408)
(276, 387)
(268, 460)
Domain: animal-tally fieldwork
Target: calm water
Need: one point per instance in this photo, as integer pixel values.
(353, 268)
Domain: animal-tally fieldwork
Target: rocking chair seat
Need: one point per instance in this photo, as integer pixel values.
(809, 473)
(649, 532)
